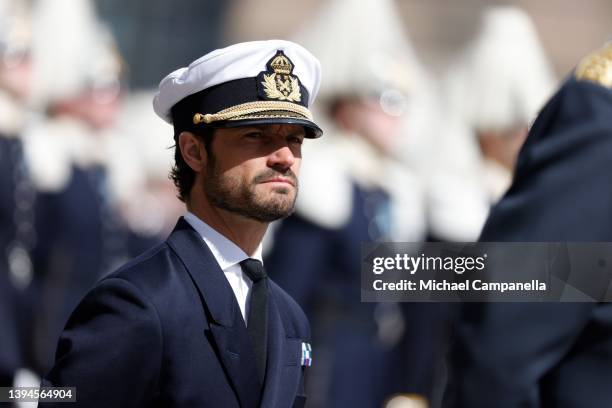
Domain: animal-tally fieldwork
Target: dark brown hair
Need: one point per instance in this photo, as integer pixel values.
(181, 174)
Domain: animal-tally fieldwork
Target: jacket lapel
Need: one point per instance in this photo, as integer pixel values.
(226, 322)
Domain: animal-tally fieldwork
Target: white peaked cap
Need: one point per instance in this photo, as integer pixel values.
(504, 78)
(72, 51)
(227, 87)
(363, 48)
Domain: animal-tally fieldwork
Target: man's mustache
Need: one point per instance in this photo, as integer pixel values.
(270, 174)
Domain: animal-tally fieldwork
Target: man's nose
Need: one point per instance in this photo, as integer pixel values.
(281, 158)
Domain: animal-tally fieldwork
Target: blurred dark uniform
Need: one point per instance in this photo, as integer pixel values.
(80, 239)
(11, 175)
(16, 192)
(80, 236)
(548, 355)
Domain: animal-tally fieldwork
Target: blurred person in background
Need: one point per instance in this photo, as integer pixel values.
(174, 34)
(489, 96)
(358, 190)
(495, 90)
(150, 207)
(547, 354)
(16, 192)
(79, 167)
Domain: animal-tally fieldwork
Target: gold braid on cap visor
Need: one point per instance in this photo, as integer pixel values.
(255, 110)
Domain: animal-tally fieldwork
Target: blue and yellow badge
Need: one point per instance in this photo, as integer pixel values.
(306, 355)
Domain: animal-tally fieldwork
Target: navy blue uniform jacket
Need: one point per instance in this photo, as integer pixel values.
(556, 355)
(166, 331)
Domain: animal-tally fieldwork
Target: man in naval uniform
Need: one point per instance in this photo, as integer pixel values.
(547, 354)
(195, 322)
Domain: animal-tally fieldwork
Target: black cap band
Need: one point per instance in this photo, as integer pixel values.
(217, 98)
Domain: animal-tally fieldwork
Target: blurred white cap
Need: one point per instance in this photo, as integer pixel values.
(362, 47)
(148, 135)
(72, 51)
(504, 77)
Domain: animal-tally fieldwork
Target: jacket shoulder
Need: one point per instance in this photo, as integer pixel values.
(154, 261)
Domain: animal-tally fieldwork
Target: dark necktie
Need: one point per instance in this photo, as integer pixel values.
(257, 326)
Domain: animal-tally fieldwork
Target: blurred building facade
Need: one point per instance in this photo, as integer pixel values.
(156, 37)
(440, 29)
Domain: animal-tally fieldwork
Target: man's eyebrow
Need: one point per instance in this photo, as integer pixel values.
(250, 128)
(299, 131)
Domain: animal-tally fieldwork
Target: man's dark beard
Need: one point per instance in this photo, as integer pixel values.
(242, 200)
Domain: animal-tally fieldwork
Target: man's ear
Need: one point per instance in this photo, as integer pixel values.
(193, 150)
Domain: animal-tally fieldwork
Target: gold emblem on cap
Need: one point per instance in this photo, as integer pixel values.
(281, 84)
(597, 67)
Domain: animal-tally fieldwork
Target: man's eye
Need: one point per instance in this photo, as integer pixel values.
(253, 135)
(296, 140)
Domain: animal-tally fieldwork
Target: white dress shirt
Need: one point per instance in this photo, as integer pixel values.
(228, 255)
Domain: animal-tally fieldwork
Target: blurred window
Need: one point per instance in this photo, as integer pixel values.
(156, 37)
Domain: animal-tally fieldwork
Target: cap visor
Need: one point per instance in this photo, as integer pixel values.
(312, 130)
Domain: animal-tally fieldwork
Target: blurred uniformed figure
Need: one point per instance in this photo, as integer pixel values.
(495, 90)
(78, 166)
(547, 354)
(150, 208)
(357, 190)
(16, 192)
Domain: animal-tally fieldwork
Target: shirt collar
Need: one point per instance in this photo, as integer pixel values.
(225, 251)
